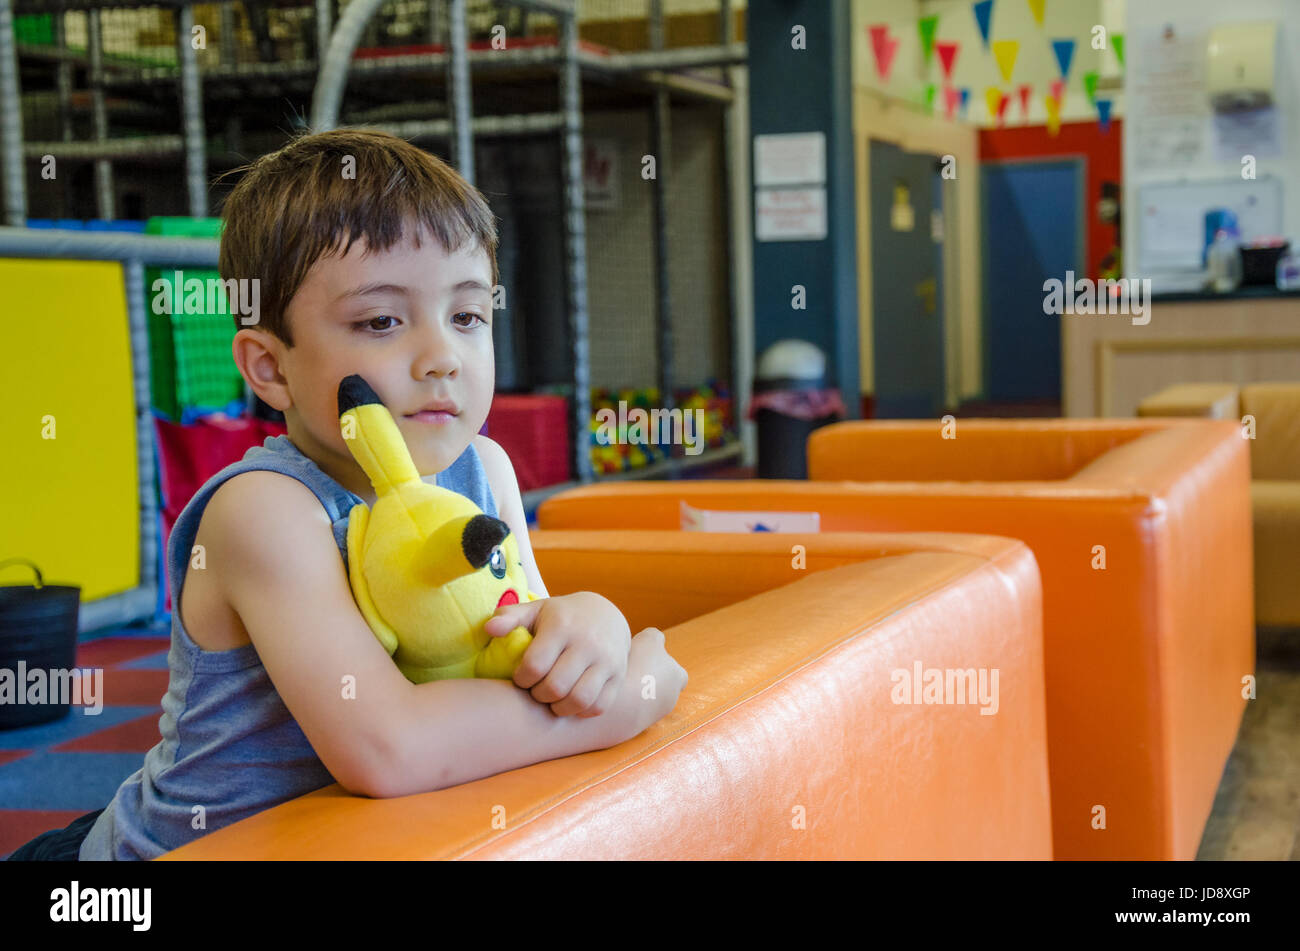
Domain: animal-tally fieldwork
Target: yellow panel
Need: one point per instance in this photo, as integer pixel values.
(69, 503)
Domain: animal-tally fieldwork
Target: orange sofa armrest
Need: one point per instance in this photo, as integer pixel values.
(790, 741)
(662, 578)
(967, 450)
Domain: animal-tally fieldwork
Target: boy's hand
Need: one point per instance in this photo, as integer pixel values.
(578, 657)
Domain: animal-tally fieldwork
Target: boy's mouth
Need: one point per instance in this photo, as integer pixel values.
(432, 416)
(439, 411)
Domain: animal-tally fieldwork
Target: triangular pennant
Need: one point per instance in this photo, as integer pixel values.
(951, 99)
(1002, 110)
(1117, 41)
(927, 26)
(1064, 50)
(1058, 91)
(983, 17)
(994, 100)
(930, 90)
(885, 62)
(1103, 114)
(947, 56)
(1090, 86)
(965, 99)
(1053, 115)
(884, 47)
(1004, 51)
(879, 34)
(1036, 8)
(1024, 91)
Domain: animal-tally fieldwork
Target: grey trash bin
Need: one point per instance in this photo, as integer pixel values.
(791, 399)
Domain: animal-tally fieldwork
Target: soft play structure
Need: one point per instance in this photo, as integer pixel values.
(83, 504)
(1142, 532)
(790, 741)
(1269, 416)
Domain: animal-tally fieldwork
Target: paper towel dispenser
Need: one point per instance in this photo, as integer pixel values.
(1241, 64)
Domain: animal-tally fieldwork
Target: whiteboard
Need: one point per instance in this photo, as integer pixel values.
(1171, 224)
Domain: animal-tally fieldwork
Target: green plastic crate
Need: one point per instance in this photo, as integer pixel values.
(190, 366)
(36, 29)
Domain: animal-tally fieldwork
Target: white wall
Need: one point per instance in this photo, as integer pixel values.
(1199, 16)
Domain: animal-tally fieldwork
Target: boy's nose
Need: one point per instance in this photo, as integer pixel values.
(436, 356)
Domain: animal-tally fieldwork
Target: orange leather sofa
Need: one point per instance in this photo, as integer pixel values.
(1144, 657)
(786, 742)
(1272, 412)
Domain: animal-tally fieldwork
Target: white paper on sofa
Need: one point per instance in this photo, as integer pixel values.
(705, 520)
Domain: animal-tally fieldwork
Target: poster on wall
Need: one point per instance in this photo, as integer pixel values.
(790, 214)
(600, 174)
(1256, 132)
(790, 158)
(1168, 106)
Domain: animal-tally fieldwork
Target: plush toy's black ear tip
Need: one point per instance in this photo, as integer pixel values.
(354, 391)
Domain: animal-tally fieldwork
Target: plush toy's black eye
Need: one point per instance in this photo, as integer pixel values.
(497, 562)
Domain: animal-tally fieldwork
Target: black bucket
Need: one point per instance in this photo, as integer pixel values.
(38, 626)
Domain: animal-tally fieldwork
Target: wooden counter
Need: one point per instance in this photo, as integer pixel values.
(1109, 364)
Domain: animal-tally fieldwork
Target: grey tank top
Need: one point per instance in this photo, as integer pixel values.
(229, 746)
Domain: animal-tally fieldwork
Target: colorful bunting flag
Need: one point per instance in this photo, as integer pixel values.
(1058, 91)
(983, 17)
(1036, 8)
(1053, 115)
(1064, 50)
(879, 35)
(1004, 51)
(951, 99)
(1025, 91)
(965, 99)
(884, 46)
(947, 57)
(1103, 114)
(996, 102)
(1090, 86)
(930, 90)
(1117, 41)
(927, 26)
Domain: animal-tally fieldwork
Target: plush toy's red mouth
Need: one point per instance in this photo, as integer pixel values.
(509, 597)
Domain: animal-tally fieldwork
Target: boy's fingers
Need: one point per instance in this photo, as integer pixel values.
(510, 616)
(605, 702)
(562, 678)
(584, 693)
(537, 661)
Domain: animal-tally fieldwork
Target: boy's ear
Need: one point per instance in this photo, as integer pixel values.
(257, 354)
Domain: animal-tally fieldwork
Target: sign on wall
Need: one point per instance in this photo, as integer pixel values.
(783, 212)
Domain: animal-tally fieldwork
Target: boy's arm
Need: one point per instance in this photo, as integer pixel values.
(280, 570)
(510, 505)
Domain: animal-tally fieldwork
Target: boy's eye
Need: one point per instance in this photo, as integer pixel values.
(472, 317)
(383, 322)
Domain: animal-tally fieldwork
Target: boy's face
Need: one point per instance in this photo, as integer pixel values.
(416, 323)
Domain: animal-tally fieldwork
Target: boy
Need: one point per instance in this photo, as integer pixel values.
(373, 257)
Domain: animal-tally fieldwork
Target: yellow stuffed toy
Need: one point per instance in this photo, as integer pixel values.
(427, 567)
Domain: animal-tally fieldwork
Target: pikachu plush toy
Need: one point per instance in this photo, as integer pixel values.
(427, 567)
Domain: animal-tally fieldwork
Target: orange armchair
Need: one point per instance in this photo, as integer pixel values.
(1272, 411)
(786, 742)
(1142, 531)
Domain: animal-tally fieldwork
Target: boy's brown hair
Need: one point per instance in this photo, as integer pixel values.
(297, 204)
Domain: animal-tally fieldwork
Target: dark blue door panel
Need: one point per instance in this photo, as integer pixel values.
(1032, 223)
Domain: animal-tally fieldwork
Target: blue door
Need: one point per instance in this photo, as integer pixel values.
(1033, 225)
(906, 283)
